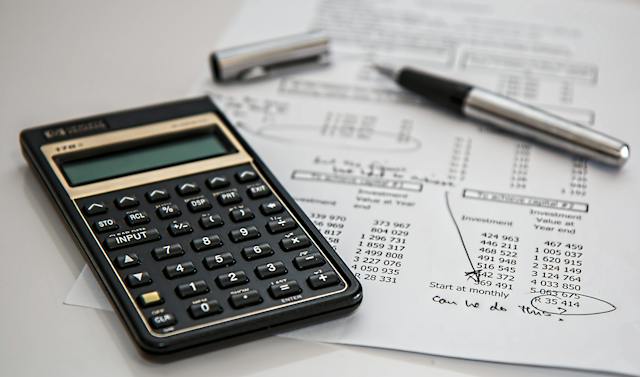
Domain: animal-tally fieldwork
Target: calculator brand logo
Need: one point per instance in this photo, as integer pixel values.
(76, 129)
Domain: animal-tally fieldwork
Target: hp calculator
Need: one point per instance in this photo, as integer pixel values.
(192, 237)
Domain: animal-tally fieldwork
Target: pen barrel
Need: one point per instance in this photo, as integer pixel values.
(519, 118)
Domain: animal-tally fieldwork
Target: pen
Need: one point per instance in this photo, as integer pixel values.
(510, 115)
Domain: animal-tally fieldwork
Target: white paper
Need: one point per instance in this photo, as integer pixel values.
(469, 243)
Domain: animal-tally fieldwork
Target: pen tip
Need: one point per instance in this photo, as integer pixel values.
(385, 70)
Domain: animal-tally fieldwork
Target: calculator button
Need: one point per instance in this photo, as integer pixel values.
(206, 242)
(217, 182)
(127, 201)
(191, 289)
(137, 218)
(258, 191)
(218, 261)
(270, 208)
(178, 228)
(308, 261)
(167, 251)
(232, 279)
(178, 270)
(281, 225)
(168, 211)
(127, 260)
(229, 197)
(295, 242)
(105, 225)
(257, 251)
(243, 234)
(150, 299)
(138, 279)
(283, 290)
(270, 270)
(94, 208)
(204, 309)
(199, 205)
(157, 195)
(241, 214)
(163, 320)
(131, 238)
(241, 300)
(208, 221)
(246, 176)
(323, 280)
(187, 188)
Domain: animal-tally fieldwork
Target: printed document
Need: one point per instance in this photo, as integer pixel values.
(469, 242)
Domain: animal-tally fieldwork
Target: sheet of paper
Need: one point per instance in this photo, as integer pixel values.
(469, 243)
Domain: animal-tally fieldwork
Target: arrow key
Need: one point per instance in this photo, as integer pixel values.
(270, 208)
(127, 260)
(138, 279)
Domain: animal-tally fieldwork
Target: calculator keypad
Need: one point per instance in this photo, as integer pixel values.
(207, 247)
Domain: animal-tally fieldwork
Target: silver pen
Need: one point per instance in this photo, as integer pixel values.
(511, 115)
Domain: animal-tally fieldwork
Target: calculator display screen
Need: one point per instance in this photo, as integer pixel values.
(143, 158)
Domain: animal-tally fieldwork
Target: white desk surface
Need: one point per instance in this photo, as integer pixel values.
(66, 59)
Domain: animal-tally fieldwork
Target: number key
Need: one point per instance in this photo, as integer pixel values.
(243, 234)
(178, 270)
(167, 251)
(204, 309)
(257, 251)
(218, 261)
(270, 270)
(232, 279)
(191, 289)
(206, 242)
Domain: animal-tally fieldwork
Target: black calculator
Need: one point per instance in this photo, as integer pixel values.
(193, 238)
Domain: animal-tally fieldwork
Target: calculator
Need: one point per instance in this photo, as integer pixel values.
(193, 238)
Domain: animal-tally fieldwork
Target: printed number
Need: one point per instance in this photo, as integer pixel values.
(179, 268)
(257, 249)
(206, 241)
(232, 276)
(167, 249)
(218, 258)
(193, 286)
(204, 307)
(244, 231)
(271, 267)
